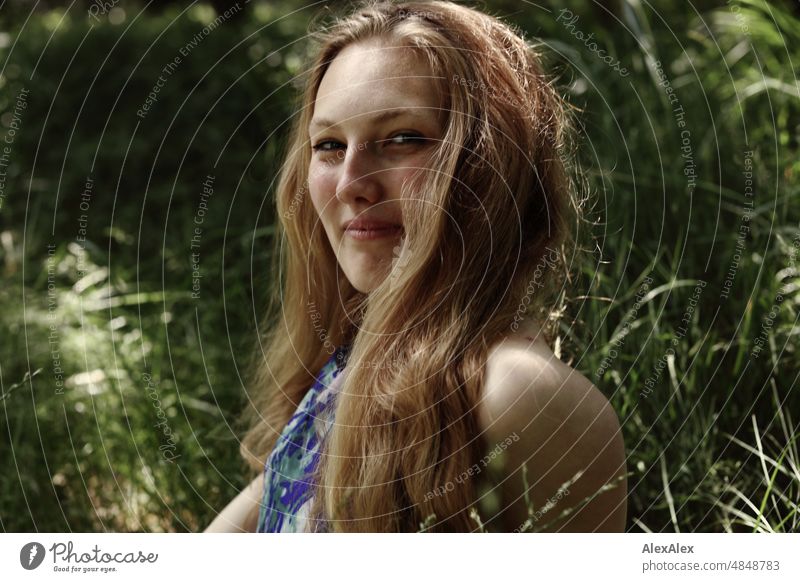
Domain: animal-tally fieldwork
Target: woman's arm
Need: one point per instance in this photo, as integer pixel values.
(241, 514)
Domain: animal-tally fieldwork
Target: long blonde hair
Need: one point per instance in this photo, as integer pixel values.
(487, 237)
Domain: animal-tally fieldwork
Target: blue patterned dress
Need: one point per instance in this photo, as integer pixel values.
(289, 470)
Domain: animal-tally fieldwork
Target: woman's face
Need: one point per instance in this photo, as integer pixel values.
(376, 120)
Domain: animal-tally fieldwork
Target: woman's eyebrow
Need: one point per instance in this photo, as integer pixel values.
(419, 112)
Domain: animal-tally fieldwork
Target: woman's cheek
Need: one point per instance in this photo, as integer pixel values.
(413, 169)
(322, 188)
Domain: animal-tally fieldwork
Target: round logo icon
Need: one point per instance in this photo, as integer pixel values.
(31, 555)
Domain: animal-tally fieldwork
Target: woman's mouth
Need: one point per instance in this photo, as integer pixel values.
(374, 232)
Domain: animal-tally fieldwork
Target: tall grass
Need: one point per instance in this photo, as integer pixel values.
(689, 381)
(709, 420)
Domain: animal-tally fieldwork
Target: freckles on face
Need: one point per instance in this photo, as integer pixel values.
(365, 258)
(376, 122)
(323, 186)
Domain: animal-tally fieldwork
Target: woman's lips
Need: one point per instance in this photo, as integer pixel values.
(374, 232)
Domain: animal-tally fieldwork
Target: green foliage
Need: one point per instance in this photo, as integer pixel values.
(84, 165)
(727, 69)
(711, 441)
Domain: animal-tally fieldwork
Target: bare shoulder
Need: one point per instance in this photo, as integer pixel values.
(561, 427)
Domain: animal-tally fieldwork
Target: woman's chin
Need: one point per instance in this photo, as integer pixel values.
(367, 279)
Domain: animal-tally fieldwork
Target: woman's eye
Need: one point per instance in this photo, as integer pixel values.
(399, 139)
(321, 146)
(407, 138)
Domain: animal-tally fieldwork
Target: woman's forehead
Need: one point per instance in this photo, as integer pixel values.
(373, 81)
(372, 65)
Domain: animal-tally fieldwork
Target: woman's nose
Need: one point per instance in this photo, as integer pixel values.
(360, 178)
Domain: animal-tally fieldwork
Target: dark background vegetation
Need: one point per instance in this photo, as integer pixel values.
(713, 447)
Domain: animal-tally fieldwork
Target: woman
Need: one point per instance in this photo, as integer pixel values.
(425, 210)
